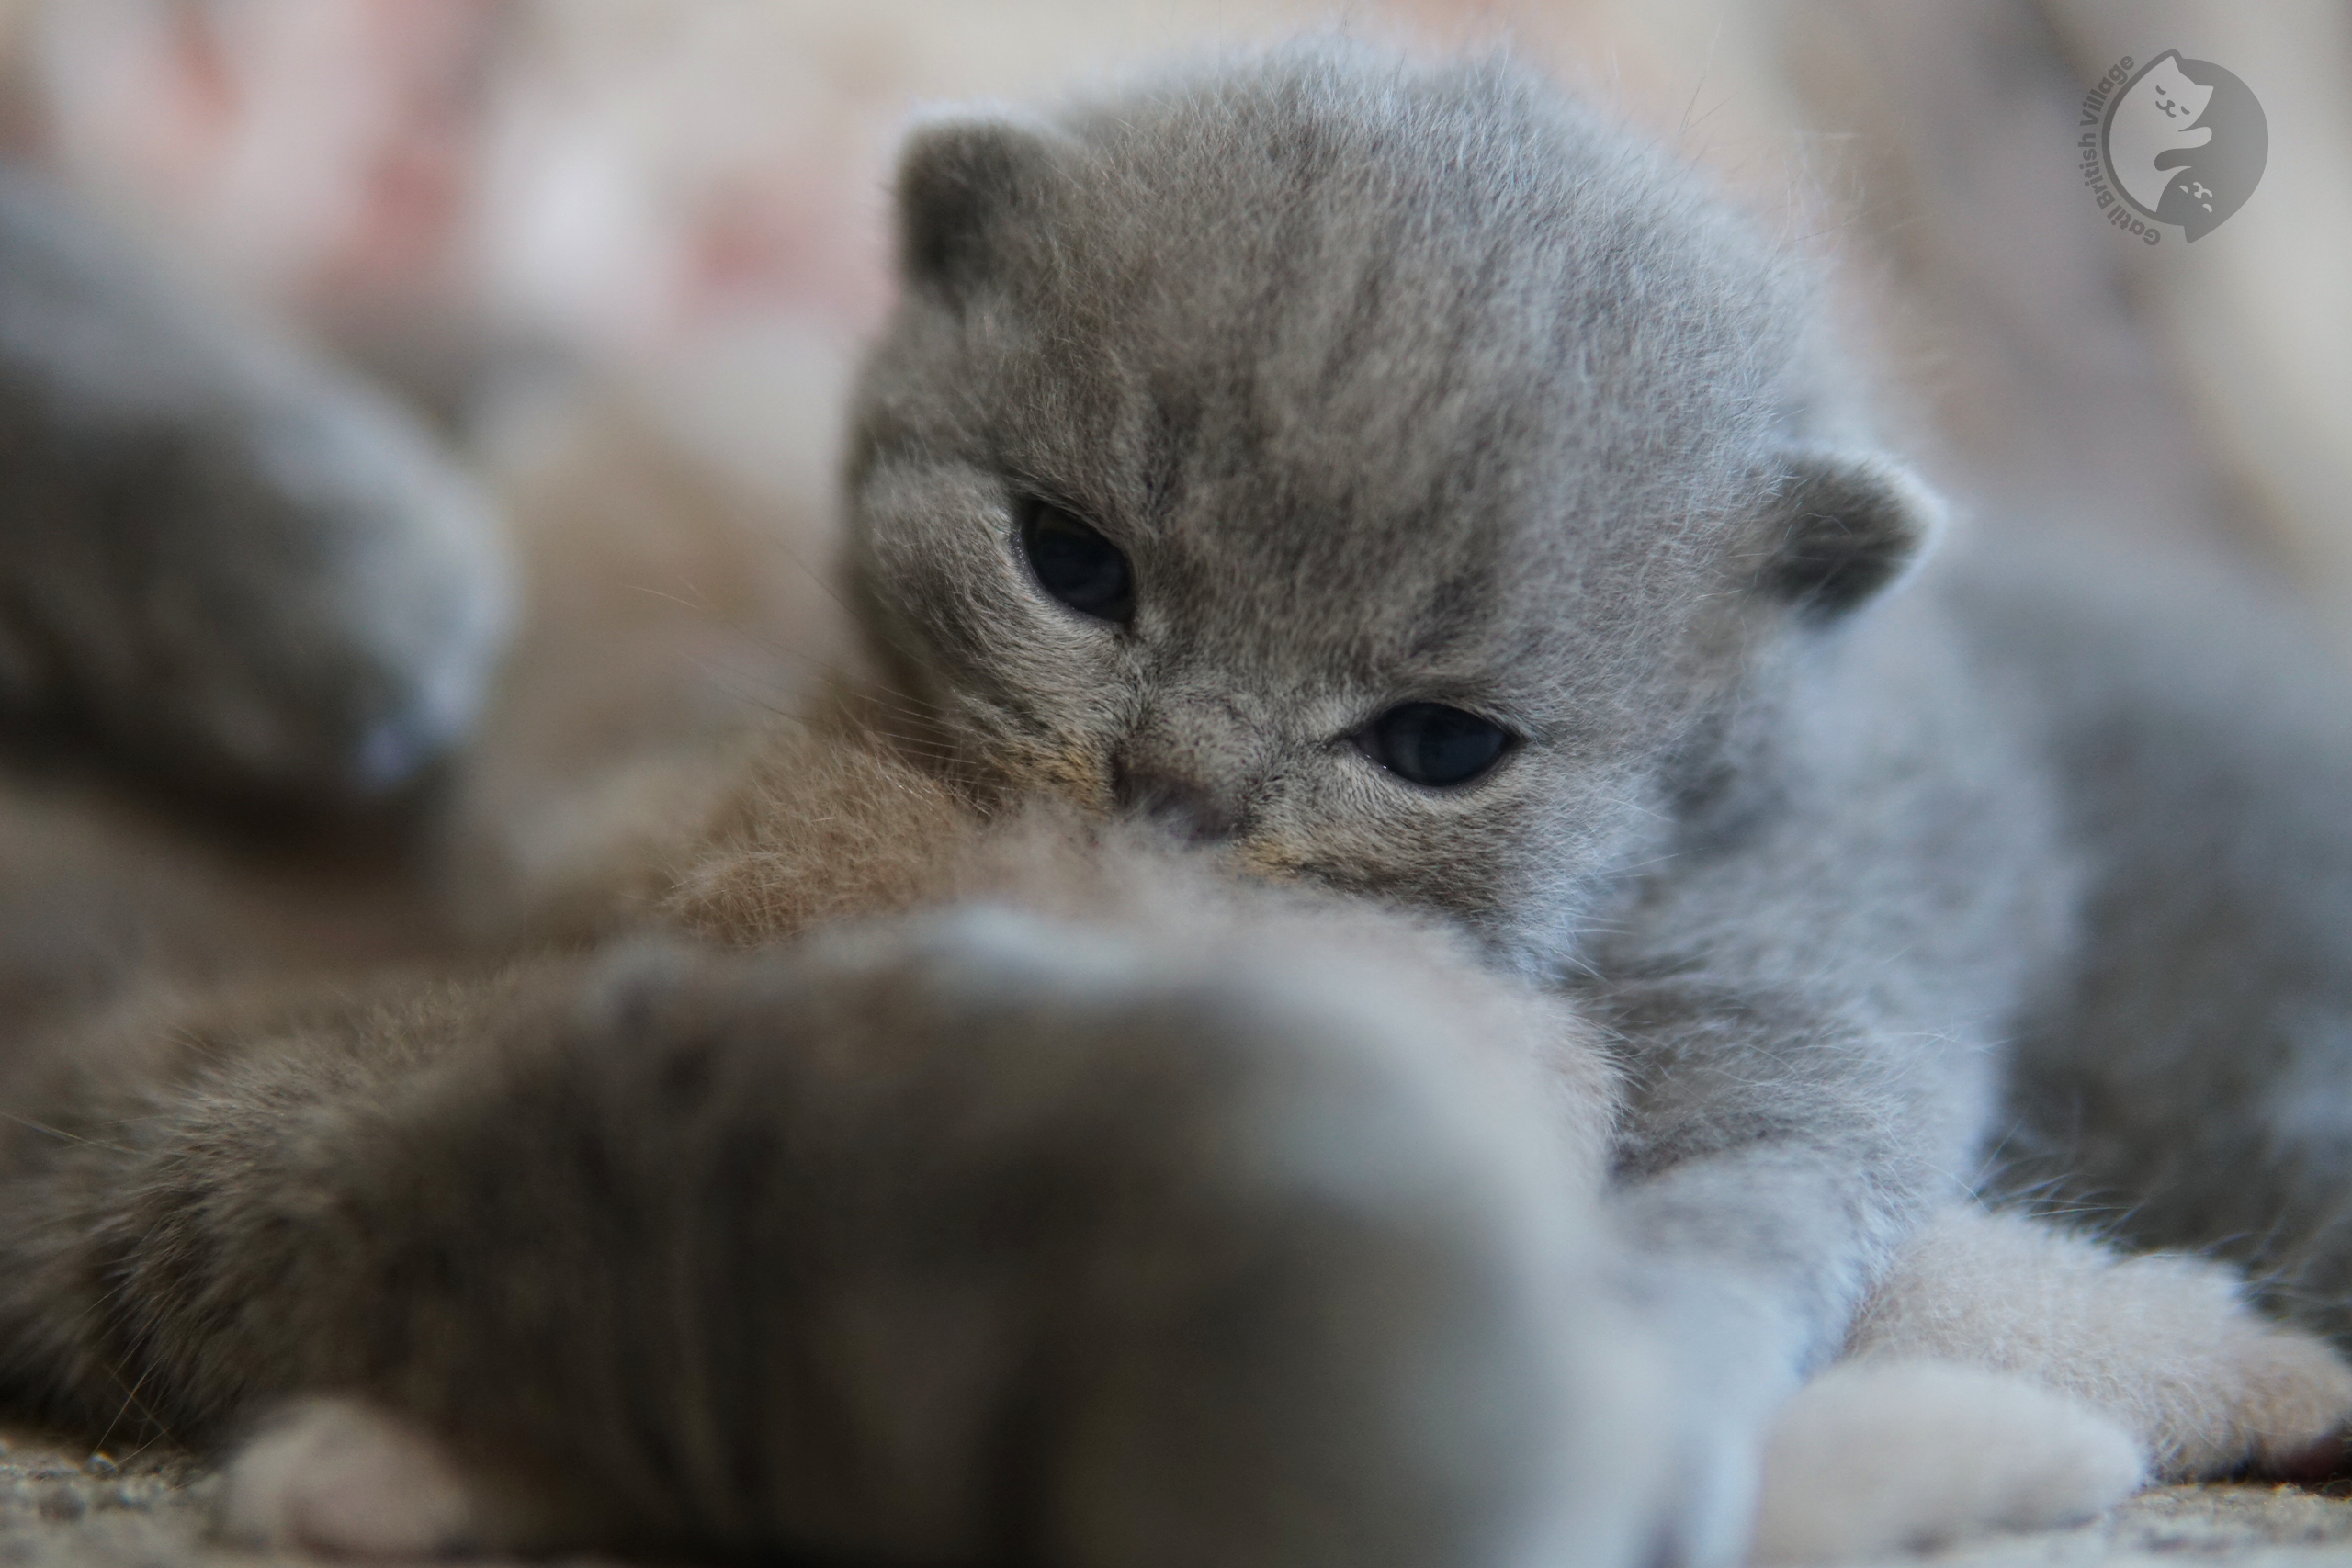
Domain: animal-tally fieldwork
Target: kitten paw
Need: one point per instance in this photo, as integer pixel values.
(922, 1233)
(348, 1478)
(2271, 1397)
(232, 563)
(2165, 1345)
(1886, 1456)
(1253, 1256)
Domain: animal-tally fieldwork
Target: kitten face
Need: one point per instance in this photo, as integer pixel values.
(1255, 450)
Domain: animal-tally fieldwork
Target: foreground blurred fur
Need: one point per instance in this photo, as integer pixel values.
(1478, 1194)
(566, 1247)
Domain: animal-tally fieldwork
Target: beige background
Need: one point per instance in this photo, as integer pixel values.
(518, 207)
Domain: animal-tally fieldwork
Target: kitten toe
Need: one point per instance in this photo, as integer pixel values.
(1892, 1455)
(2276, 1398)
(2315, 1465)
(350, 1479)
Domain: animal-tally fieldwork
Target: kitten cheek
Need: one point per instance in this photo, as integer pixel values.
(1068, 769)
(1271, 859)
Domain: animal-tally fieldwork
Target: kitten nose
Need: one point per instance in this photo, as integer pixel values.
(1184, 803)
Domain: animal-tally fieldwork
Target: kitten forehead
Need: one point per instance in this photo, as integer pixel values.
(1408, 295)
(1376, 369)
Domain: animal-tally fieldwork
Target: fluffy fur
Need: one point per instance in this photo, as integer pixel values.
(2033, 1377)
(1400, 384)
(234, 564)
(1397, 385)
(833, 1222)
(1325, 1169)
(1845, 1482)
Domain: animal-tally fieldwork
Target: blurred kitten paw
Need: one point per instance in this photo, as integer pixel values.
(348, 1478)
(1888, 1455)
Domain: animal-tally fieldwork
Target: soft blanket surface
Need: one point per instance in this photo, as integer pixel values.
(62, 1507)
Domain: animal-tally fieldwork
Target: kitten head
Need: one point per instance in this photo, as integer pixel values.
(1388, 471)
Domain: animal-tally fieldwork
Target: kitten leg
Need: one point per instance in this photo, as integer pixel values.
(1775, 1155)
(2164, 1344)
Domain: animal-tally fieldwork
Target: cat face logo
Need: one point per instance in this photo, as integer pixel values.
(2183, 143)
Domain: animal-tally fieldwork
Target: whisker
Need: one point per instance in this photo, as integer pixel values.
(62, 1135)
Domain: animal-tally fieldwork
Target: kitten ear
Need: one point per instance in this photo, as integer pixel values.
(1845, 525)
(962, 178)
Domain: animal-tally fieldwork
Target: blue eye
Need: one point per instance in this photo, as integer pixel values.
(1433, 745)
(1077, 565)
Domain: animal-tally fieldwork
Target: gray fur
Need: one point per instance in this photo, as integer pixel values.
(1402, 383)
(219, 555)
(993, 1237)
(1185, 1230)
(2189, 1082)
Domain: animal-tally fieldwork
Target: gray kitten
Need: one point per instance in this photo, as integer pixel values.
(1399, 485)
(1397, 476)
(1403, 477)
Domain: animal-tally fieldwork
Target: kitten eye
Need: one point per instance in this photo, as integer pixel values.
(1433, 745)
(1077, 565)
